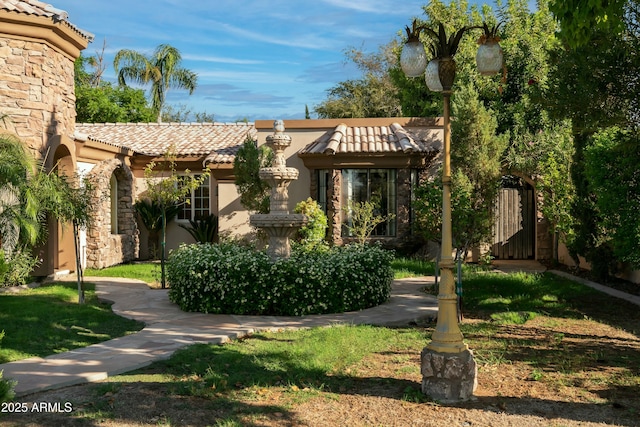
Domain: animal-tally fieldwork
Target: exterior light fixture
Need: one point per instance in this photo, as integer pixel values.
(413, 58)
(432, 76)
(449, 372)
(489, 58)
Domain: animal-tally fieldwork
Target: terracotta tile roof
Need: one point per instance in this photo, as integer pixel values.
(30, 7)
(368, 140)
(216, 142)
(38, 8)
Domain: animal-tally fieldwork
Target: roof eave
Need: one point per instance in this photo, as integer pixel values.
(60, 35)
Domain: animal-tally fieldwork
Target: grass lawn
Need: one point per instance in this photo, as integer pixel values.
(408, 267)
(48, 320)
(148, 272)
(550, 352)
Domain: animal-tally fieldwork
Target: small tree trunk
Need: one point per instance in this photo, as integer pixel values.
(79, 274)
(459, 254)
(437, 269)
(163, 248)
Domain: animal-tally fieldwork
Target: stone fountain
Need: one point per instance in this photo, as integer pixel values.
(279, 224)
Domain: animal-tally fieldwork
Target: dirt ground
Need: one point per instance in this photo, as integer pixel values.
(385, 392)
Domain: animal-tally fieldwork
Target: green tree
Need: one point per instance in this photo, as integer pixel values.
(100, 102)
(372, 95)
(27, 194)
(167, 188)
(547, 156)
(363, 219)
(254, 192)
(150, 213)
(181, 113)
(476, 170)
(162, 69)
(313, 233)
(20, 209)
(67, 199)
(595, 82)
(611, 163)
(108, 104)
(578, 18)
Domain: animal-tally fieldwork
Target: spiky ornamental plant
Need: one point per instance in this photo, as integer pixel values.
(489, 34)
(444, 48)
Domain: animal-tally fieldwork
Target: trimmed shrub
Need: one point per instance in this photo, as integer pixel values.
(230, 279)
(16, 270)
(313, 233)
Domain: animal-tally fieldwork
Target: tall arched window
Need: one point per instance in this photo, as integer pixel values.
(113, 193)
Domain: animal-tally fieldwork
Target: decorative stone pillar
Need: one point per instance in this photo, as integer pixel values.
(448, 377)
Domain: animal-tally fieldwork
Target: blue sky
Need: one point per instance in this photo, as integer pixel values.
(254, 58)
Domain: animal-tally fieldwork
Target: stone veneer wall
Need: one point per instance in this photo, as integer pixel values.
(334, 208)
(36, 92)
(104, 248)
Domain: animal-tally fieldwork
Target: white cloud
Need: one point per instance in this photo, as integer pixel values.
(220, 60)
(382, 7)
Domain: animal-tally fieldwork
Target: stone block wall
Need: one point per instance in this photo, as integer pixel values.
(36, 91)
(103, 247)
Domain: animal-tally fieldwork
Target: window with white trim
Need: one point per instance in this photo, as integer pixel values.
(199, 204)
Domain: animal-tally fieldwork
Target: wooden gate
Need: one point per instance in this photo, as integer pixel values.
(514, 226)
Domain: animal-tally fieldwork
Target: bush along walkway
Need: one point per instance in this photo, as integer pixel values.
(168, 328)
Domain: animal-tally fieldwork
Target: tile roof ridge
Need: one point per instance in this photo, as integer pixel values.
(406, 141)
(335, 138)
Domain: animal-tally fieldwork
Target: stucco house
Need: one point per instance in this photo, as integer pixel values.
(339, 160)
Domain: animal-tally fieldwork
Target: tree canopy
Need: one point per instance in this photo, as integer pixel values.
(98, 101)
(162, 69)
(254, 192)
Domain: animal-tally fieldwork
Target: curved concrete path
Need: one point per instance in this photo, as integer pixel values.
(168, 328)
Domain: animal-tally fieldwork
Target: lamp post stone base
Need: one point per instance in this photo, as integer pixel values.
(448, 377)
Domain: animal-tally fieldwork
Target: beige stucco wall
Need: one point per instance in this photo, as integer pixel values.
(232, 216)
(565, 258)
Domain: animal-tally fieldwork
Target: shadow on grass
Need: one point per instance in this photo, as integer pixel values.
(173, 403)
(48, 320)
(216, 384)
(546, 294)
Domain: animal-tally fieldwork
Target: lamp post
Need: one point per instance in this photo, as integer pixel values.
(449, 372)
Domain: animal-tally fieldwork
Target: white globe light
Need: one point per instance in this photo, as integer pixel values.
(489, 58)
(432, 76)
(413, 59)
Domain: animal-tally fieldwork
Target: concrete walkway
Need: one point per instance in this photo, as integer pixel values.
(168, 328)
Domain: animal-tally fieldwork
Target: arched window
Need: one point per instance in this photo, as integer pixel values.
(113, 193)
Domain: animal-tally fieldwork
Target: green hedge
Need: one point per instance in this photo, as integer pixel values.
(227, 278)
